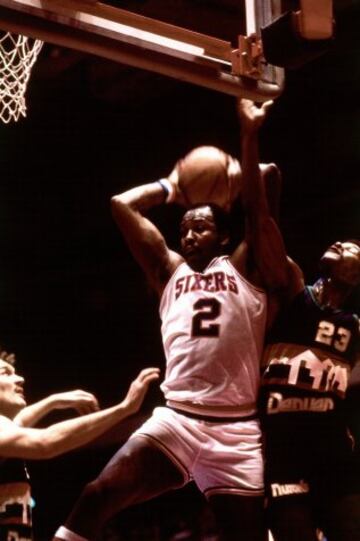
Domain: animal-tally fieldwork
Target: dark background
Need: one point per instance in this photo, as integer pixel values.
(74, 306)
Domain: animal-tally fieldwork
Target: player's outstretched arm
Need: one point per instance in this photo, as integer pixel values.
(43, 443)
(81, 401)
(263, 237)
(272, 184)
(144, 239)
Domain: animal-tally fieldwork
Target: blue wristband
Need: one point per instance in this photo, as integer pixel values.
(168, 190)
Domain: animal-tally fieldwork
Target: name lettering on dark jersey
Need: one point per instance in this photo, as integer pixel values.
(277, 403)
(212, 282)
(285, 490)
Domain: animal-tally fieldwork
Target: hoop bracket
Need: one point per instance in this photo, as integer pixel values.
(247, 60)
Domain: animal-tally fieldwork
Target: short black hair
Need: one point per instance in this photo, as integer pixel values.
(221, 216)
(7, 357)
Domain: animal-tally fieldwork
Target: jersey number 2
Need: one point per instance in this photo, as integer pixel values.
(206, 310)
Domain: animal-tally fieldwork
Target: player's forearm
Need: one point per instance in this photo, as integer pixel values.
(140, 199)
(30, 415)
(73, 433)
(253, 192)
(268, 246)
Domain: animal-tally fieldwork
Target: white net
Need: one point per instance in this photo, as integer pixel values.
(17, 56)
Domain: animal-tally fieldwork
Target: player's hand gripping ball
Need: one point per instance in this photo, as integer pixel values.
(208, 175)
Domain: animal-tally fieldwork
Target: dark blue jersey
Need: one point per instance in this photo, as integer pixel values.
(309, 354)
(306, 323)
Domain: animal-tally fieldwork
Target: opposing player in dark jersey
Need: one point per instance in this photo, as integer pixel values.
(312, 348)
(209, 430)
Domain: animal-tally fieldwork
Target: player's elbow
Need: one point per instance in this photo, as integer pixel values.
(119, 208)
(32, 447)
(44, 446)
(117, 202)
(270, 169)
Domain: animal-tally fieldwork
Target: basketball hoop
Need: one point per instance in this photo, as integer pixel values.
(17, 56)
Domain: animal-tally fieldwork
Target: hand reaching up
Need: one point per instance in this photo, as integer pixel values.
(251, 115)
(139, 387)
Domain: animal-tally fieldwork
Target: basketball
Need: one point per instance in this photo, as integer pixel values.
(208, 175)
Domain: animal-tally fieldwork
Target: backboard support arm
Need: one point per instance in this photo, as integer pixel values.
(139, 41)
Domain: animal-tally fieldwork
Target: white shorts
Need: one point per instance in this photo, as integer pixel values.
(221, 457)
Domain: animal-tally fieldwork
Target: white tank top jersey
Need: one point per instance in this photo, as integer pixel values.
(213, 326)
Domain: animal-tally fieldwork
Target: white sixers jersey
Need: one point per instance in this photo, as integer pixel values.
(213, 326)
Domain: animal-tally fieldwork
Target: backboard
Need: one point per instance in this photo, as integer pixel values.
(129, 38)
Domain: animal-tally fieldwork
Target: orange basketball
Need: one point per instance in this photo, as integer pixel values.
(208, 175)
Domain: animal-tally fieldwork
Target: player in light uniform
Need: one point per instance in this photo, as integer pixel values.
(213, 311)
(18, 440)
(205, 365)
(312, 347)
(15, 487)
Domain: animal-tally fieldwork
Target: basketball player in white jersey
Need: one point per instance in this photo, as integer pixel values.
(213, 312)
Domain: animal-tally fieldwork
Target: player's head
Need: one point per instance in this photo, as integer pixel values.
(341, 263)
(204, 233)
(12, 398)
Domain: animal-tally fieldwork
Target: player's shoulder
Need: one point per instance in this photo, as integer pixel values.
(6, 420)
(6, 424)
(175, 262)
(270, 167)
(166, 273)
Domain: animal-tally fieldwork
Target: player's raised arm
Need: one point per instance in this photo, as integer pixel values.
(144, 239)
(79, 400)
(264, 242)
(32, 443)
